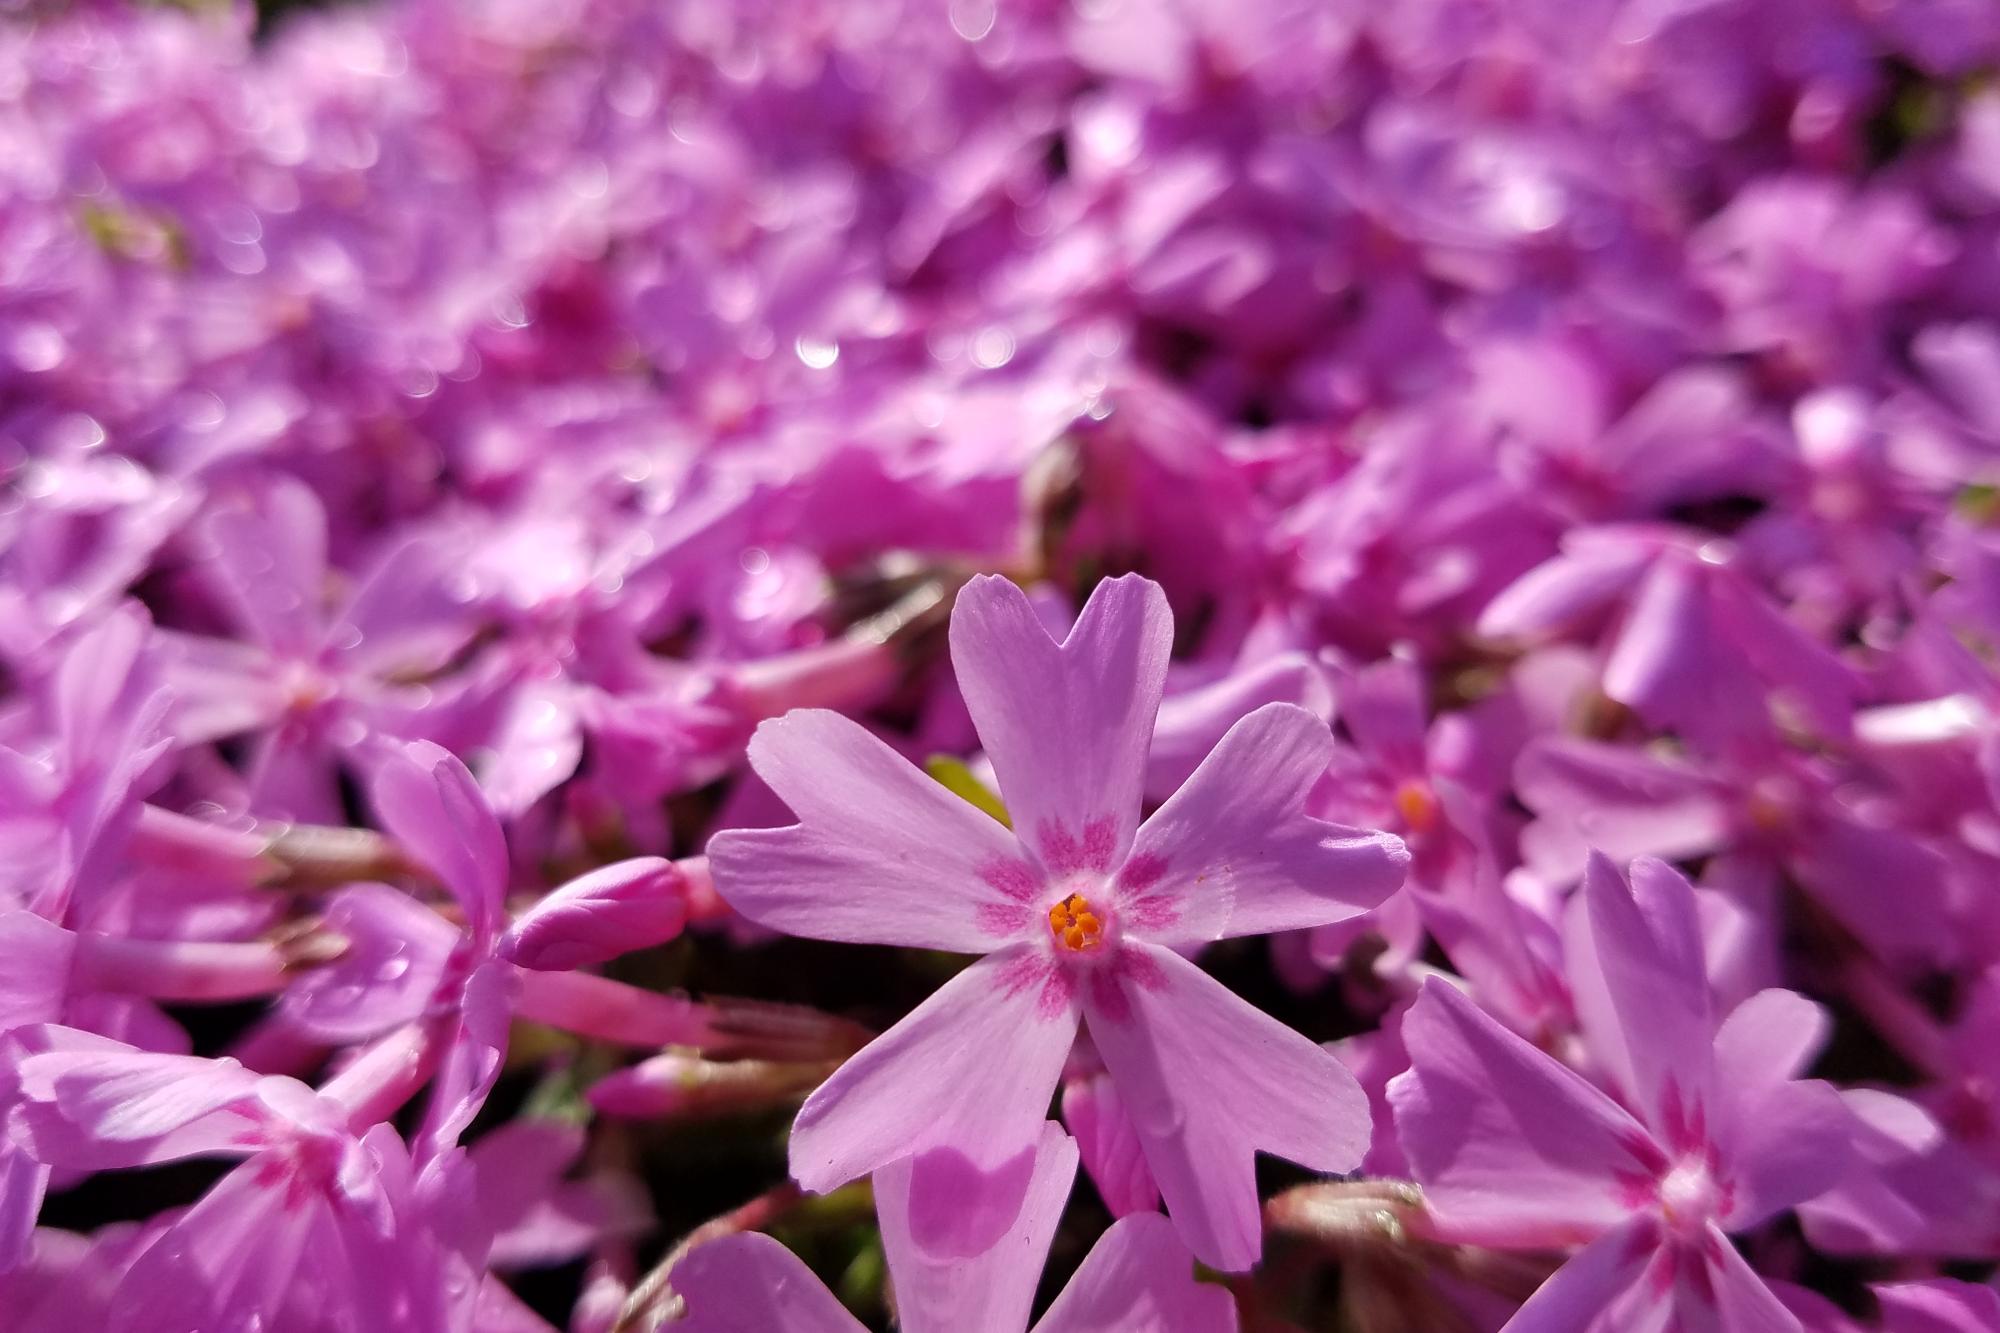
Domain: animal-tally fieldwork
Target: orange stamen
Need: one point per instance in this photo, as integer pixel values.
(1074, 925)
(1417, 806)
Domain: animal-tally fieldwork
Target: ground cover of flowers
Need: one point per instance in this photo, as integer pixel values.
(1103, 665)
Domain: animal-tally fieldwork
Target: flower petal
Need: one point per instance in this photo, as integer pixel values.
(1783, 1144)
(972, 1068)
(1742, 1301)
(388, 974)
(1068, 727)
(1139, 1278)
(1110, 1146)
(632, 904)
(1769, 1037)
(1209, 1082)
(1512, 1148)
(1234, 853)
(881, 854)
(1641, 988)
(269, 560)
(749, 1283)
(1580, 1292)
(991, 1290)
(427, 801)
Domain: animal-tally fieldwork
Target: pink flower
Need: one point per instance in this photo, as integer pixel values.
(1081, 916)
(1138, 1278)
(327, 1224)
(1513, 1149)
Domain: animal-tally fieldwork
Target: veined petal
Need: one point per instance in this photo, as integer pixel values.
(1068, 727)
(1234, 853)
(1139, 1278)
(1511, 1147)
(881, 854)
(987, 1292)
(89, 1102)
(749, 1283)
(1210, 1081)
(972, 1068)
(1579, 1292)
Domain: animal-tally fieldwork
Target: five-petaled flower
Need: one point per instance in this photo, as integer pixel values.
(1083, 916)
(1516, 1150)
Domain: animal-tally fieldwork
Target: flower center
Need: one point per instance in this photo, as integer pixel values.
(1075, 927)
(1417, 806)
(1689, 1196)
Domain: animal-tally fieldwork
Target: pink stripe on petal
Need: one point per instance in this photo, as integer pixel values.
(1245, 857)
(1067, 726)
(1015, 879)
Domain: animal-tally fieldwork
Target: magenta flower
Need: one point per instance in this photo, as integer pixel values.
(1138, 1278)
(327, 1224)
(1513, 1149)
(1079, 917)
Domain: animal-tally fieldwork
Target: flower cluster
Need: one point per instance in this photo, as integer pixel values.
(659, 660)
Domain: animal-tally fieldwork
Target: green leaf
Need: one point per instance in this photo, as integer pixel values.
(957, 779)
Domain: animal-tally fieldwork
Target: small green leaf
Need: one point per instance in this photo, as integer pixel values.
(960, 782)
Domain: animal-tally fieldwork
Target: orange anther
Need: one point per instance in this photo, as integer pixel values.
(1074, 925)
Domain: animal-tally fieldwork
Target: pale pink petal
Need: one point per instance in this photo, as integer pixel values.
(227, 1263)
(136, 1096)
(1624, 802)
(1510, 1146)
(972, 1068)
(1671, 665)
(269, 559)
(1882, 884)
(990, 1289)
(427, 801)
(1742, 1302)
(1769, 1037)
(35, 959)
(1140, 1278)
(1067, 727)
(219, 687)
(1782, 1143)
(882, 854)
(1192, 721)
(1640, 984)
(751, 1284)
(1234, 853)
(1558, 594)
(634, 904)
(472, 1062)
(1583, 1289)
(1210, 1081)
(396, 953)
(1112, 1151)
(536, 748)
(1940, 1305)
(23, 1181)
